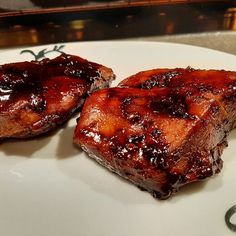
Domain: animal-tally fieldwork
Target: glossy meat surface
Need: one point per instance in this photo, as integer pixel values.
(36, 97)
(161, 129)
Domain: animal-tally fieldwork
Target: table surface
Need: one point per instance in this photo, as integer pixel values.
(221, 41)
(211, 25)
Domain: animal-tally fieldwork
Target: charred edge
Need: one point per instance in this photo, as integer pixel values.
(175, 106)
(160, 81)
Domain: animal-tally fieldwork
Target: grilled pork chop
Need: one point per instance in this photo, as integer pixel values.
(161, 129)
(36, 97)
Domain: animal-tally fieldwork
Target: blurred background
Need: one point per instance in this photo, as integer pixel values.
(34, 22)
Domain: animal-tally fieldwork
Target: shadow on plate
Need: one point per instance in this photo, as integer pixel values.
(66, 148)
(27, 147)
(232, 135)
(77, 165)
(102, 181)
(59, 141)
(209, 185)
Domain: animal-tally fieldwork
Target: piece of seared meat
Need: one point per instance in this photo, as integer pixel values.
(161, 129)
(36, 97)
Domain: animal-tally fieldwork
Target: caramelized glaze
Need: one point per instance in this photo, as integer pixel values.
(37, 96)
(161, 128)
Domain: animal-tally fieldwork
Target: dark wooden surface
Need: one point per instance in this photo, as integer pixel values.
(148, 19)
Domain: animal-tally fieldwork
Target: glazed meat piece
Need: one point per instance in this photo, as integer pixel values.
(161, 129)
(36, 97)
(179, 78)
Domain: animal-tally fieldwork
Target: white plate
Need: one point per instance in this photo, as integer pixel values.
(50, 188)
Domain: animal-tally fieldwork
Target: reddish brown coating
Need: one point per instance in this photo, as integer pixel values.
(35, 97)
(202, 80)
(161, 129)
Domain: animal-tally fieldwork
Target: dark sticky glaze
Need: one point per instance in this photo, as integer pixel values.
(30, 80)
(37, 96)
(161, 135)
(165, 102)
(213, 81)
(72, 66)
(159, 80)
(174, 106)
